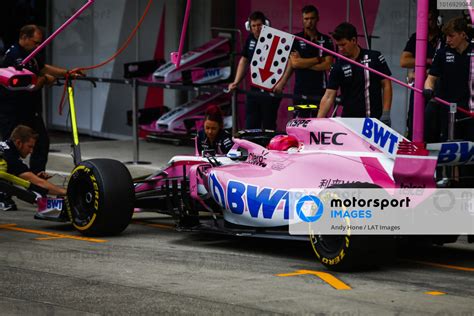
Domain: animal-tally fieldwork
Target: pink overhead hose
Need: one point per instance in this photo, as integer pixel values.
(56, 33)
(401, 83)
(183, 34)
(371, 70)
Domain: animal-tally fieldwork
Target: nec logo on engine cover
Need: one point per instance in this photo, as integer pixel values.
(326, 138)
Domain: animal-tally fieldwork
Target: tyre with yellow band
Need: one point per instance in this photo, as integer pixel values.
(352, 252)
(100, 197)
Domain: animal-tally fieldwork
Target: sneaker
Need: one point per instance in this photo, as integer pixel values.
(7, 204)
(443, 183)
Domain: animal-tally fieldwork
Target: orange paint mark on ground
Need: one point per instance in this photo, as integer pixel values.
(326, 277)
(50, 235)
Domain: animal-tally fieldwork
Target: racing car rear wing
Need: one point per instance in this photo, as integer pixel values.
(414, 166)
(453, 153)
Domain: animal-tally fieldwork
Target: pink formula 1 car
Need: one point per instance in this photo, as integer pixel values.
(246, 193)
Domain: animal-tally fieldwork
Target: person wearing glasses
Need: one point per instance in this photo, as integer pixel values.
(25, 107)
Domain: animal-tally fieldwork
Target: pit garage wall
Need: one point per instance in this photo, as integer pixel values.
(94, 37)
(392, 21)
(102, 28)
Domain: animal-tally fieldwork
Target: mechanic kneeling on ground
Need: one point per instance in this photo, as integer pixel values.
(18, 147)
(213, 137)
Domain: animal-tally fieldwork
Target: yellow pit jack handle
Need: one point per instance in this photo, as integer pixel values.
(75, 134)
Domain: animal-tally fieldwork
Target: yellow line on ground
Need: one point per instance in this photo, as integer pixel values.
(326, 277)
(53, 235)
(330, 279)
(441, 265)
(7, 225)
(435, 293)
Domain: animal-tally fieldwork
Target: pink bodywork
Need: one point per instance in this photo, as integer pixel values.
(330, 152)
(173, 122)
(214, 49)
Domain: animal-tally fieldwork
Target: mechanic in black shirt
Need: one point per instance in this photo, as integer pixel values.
(25, 107)
(213, 137)
(18, 147)
(407, 58)
(308, 62)
(260, 111)
(364, 94)
(451, 77)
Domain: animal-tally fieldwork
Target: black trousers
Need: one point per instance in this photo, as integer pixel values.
(437, 124)
(436, 130)
(261, 112)
(39, 157)
(314, 92)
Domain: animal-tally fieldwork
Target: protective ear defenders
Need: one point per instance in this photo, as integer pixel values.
(247, 24)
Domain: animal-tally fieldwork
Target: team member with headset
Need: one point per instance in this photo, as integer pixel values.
(260, 111)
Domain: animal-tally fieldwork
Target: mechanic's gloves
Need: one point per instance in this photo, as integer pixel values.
(428, 94)
(385, 118)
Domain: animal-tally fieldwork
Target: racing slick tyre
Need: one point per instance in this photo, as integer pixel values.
(352, 252)
(100, 197)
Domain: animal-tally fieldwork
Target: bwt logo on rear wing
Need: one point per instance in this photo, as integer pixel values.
(375, 133)
(453, 153)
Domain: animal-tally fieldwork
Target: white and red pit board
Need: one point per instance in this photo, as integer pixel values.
(270, 58)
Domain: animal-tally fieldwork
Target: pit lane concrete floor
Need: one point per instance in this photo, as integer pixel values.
(49, 269)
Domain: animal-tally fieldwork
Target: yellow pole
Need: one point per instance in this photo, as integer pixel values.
(73, 115)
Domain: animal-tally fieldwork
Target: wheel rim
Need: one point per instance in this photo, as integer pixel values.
(330, 243)
(82, 198)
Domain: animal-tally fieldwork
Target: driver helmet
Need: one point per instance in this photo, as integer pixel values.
(283, 142)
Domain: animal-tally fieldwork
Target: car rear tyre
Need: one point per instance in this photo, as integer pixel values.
(353, 252)
(100, 197)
